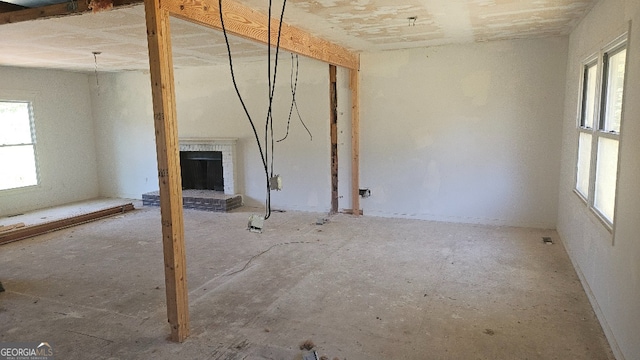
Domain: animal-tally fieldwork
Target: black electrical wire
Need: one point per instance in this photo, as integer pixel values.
(246, 111)
(266, 124)
(264, 155)
(272, 84)
(294, 89)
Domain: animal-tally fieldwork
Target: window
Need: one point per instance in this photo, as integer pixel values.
(17, 145)
(599, 129)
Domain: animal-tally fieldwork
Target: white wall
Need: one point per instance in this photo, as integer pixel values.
(608, 265)
(64, 138)
(457, 133)
(464, 133)
(208, 107)
(125, 139)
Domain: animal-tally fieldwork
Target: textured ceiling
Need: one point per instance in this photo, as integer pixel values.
(360, 25)
(119, 35)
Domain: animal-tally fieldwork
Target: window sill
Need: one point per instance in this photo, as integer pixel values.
(580, 196)
(607, 225)
(603, 221)
(20, 190)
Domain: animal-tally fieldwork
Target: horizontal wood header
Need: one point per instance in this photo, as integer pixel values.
(243, 21)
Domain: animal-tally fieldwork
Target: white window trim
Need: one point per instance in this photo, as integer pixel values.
(595, 132)
(32, 99)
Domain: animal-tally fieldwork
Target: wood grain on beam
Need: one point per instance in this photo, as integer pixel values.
(34, 230)
(56, 10)
(333, 129)
(245, 22)
(354, 85)
(167, 150)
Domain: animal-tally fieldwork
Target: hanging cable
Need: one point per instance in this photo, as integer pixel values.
(269, 138)
(244, 107)
(294, 88)
(264, 155)
(272, 82)
(266, 123)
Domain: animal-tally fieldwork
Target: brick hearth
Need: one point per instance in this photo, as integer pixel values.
(208, 200)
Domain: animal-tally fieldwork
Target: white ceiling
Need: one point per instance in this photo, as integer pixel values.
(360, 25)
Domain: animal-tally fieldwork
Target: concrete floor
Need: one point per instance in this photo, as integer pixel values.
(359, 288)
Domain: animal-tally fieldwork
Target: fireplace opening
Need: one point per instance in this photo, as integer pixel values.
(202, 170)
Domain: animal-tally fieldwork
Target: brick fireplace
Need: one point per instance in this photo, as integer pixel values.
(201, 157)
(226, 146)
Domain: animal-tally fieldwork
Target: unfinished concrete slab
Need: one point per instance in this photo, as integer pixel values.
(358, 288)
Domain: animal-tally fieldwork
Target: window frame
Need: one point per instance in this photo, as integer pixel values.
(593, 60)
(597, 129)
(30, 100)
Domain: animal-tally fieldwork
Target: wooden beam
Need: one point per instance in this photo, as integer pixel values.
(11, 227)
(45, 12)
(39, 229)
(333, 129)
(243, 21)
(57, 10)
(6, 7)
(167, 150)
(354, 85)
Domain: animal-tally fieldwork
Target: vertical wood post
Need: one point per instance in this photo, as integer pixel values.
(167, 150)
(354, 85)
(333, 121)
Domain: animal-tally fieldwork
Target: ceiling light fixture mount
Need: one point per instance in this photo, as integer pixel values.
(95, 60)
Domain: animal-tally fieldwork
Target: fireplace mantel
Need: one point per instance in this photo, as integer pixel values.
(228, 148)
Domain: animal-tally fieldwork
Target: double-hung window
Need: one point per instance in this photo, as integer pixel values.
(599, 129)
(17, 145)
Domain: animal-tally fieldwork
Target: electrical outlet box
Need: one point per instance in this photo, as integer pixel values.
(275, 183)
(256, 223)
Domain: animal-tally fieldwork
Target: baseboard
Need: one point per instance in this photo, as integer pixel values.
(596, 307)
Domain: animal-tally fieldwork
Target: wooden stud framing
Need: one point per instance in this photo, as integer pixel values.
(333, 129)
(167, 149)
(245, 22)
(354, 85)
(242, 21)
(56, 10)
(239, 20)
